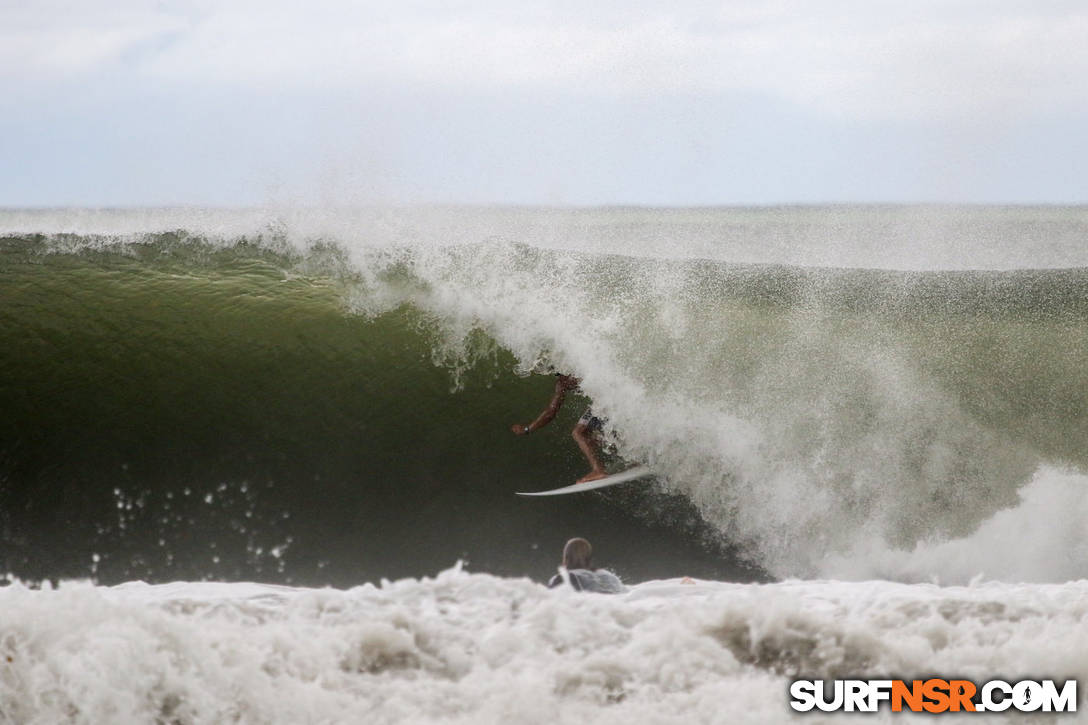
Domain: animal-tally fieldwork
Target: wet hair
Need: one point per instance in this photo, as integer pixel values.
(577, 553)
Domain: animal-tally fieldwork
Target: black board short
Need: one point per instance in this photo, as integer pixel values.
(591, 421)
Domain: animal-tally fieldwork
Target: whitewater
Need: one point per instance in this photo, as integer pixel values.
(867, 426)
(469, 648)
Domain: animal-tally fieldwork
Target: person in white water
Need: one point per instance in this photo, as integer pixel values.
(580, 574)
(586, 432)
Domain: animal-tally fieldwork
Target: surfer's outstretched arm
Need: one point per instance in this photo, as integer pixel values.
(562, 384)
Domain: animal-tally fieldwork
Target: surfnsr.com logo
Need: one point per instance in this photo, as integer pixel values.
(933, 695)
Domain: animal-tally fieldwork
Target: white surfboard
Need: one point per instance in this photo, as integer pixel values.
(622, 477)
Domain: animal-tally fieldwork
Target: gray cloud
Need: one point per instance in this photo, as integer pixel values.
(865, 60)
(235, 101)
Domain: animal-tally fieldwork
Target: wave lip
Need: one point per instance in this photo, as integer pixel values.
(891, 237)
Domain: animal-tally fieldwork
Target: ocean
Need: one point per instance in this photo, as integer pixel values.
(867, 425)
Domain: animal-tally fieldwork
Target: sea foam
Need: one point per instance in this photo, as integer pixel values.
(473, 648)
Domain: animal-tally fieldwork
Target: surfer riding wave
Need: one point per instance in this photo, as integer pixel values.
(586, 431)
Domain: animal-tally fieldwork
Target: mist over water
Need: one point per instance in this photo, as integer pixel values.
(826, 392)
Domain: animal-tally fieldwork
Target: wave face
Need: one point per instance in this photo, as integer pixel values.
(324, 396)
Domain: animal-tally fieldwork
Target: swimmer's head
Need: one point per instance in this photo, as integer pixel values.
(577, 553)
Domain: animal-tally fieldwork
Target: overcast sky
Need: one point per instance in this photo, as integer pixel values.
(122, 102)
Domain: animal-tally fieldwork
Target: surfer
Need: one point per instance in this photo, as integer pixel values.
(581, 575)
(586, 431)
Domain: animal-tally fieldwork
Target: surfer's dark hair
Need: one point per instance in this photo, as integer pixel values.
(577, 553)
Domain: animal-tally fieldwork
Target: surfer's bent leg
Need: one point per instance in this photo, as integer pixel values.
(585, 435)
